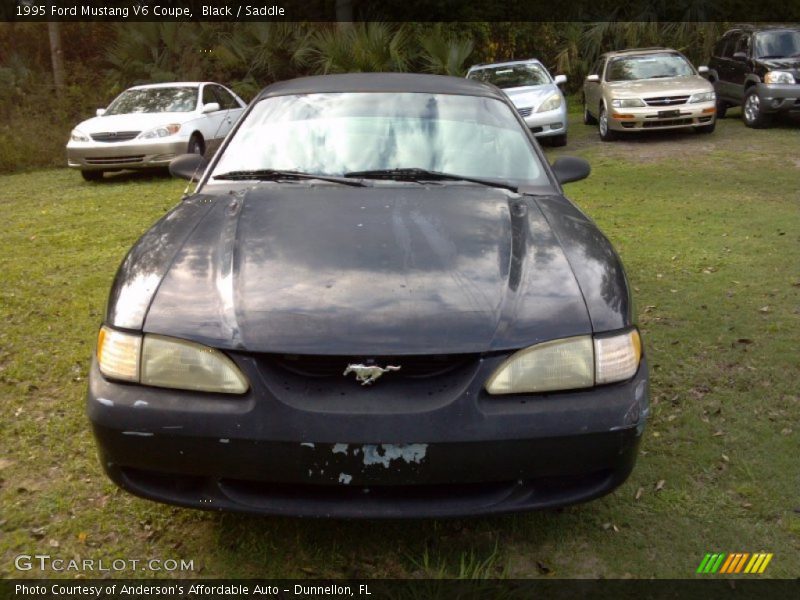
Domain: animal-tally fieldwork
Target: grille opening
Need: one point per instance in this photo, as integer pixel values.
(334, 366)
(114, 136)
(666, 100)
(667, 123)
(525, 112)
(165, 483)
(112, 160)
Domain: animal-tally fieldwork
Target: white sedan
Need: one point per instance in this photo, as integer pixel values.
(148, 125)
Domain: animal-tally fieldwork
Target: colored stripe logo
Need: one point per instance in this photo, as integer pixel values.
(738, 562)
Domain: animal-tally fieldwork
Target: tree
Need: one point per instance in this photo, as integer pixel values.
(56, 56)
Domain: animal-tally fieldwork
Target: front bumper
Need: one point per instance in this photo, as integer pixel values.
(457, 451)
(545, 124)
(779, 98)
(673, 117)
(134, 154)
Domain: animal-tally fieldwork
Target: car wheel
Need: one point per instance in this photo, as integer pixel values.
(752, 112)
(706, 128)
(588, 119)
(196, 145)
(92, 175)
(722, 108)
(557, 141)
(606, 134)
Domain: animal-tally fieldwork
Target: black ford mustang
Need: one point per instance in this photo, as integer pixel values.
(378, 303)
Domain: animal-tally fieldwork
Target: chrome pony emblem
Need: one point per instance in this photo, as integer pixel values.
(368, 374)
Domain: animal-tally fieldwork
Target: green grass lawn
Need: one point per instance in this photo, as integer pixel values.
(709, 229)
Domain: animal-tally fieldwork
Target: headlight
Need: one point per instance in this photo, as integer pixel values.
(78, 136)
(779, 77)
(552, 103)
(557, 365)
(627, 102)
(570, 363)
(616, 358)
(702, 97)
(118, 354)
(167, 362)
(159, 132)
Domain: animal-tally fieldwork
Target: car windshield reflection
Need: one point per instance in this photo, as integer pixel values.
(512, 76)
(338, 133)
(154, 100)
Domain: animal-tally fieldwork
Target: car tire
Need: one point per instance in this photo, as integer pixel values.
(752, 113)
(722, 109)
(196, 145)
(588, 119)
(606, 133)
(557, 141)
(706, 128)
(92, 175)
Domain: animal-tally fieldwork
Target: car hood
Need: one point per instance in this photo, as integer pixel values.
(523, 97)
(133, 122)
(657, 87)
(789, 63)
(401, 270)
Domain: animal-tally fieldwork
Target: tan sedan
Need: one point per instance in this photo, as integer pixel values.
(652, 88)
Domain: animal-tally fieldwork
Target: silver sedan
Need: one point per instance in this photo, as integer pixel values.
(534, 92)
(147, 126)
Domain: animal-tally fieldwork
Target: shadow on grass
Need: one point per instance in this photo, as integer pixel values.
(139, 176)
(459, 547)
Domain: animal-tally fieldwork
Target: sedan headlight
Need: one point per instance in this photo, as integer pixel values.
(569, 363)
(702, 97)
(78, 136)
(158, 132)
(167, 362)
(552, 103)
(627, 102)
(779, 77)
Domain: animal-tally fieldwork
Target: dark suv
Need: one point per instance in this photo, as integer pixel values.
(757, 68)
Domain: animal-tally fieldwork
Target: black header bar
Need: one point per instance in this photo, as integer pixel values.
(399, 10)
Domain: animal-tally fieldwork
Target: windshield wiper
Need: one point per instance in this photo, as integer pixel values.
(415, 174)
(275, 174)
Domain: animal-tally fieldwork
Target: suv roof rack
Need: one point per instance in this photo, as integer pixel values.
(638, 50)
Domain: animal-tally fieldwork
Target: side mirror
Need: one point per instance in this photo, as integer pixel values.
(569, 168)
(188, 166)
(210, 107)
(593, 78)
(741, 56)
(560, 79)
(100, 112)
(702, 70)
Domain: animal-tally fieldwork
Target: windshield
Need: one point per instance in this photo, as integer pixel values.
(777, 44)
(339, 133)
(649, 66)
(154, 100)
(511, 76)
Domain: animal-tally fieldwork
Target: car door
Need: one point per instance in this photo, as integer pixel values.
(231, 104)
(592, 89)
(720, 64)
(740, 66)
(212, 123)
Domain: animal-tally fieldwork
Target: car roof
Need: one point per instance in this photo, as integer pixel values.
(381, 82)
(525, 61)
(637, 51)
(169, 85)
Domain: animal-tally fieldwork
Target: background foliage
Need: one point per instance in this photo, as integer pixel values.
(102, 59)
